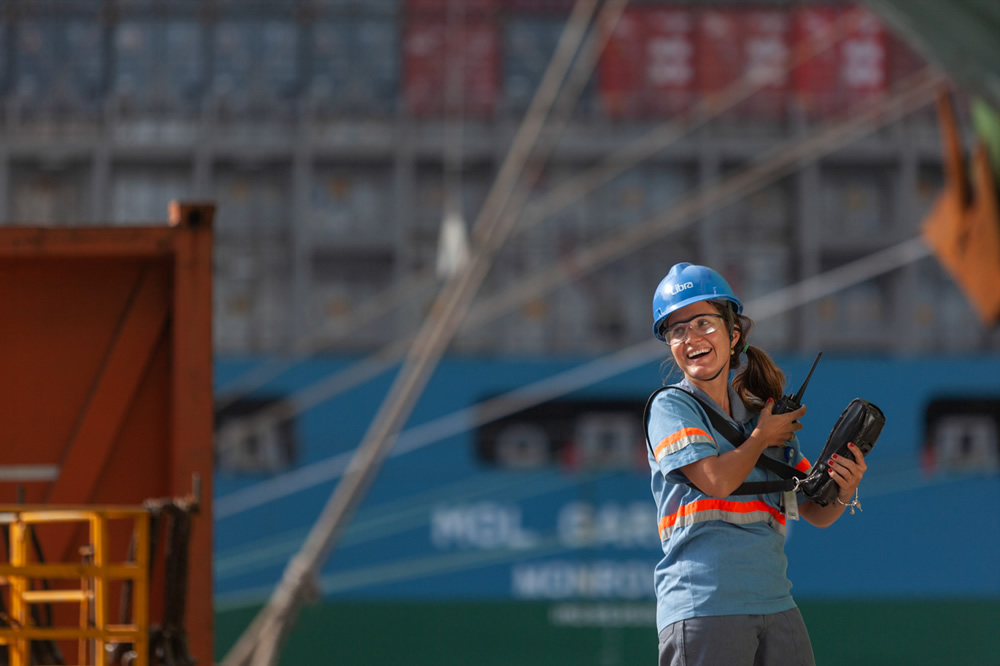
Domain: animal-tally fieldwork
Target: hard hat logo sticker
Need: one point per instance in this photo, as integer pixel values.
(681, 286)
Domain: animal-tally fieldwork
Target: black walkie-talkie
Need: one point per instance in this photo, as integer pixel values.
(789, 402)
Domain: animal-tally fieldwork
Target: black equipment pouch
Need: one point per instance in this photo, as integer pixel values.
(861, 423)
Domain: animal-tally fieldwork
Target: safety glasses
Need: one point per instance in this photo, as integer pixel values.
(704, 324)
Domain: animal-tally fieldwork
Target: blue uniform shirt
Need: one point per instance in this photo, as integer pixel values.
(721, 556)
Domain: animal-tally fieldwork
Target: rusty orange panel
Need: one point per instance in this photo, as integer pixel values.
(127, 242)
(106, 359)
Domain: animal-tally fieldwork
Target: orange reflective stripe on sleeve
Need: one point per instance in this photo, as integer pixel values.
(803, 465)
(679, 440)
(737, 513)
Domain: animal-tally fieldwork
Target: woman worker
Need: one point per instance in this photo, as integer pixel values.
(723, 596)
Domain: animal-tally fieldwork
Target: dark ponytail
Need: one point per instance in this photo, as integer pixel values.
(761, 378)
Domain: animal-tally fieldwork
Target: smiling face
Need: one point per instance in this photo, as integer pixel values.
(702, 358)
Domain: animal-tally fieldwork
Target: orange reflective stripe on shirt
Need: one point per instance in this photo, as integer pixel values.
(737, 513)
(803, 465)
(679, 440)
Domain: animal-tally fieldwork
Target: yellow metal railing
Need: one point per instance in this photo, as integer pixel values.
(95, 631)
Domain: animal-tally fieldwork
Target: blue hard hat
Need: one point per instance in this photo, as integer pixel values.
(686, 284)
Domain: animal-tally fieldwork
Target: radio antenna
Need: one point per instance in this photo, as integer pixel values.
(798, 396)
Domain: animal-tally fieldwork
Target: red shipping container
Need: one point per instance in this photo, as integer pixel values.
(648, 67)
(748, 45)
(429, 51)
(670, 71)
(903, 60)
(621, 66)
(847, 74)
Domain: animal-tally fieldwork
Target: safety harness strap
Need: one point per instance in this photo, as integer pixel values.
(790, 477)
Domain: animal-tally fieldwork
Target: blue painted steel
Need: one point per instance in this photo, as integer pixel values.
(441, 523)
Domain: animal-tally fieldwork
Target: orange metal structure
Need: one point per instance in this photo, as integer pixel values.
(106, 382)
(963, 226)
(94, 633)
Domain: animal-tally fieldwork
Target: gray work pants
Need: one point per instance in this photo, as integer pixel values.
(779, 639)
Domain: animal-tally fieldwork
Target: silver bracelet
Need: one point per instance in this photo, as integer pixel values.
(853, 503)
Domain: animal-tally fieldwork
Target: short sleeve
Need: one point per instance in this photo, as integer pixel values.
(679, 434)
(797, 459)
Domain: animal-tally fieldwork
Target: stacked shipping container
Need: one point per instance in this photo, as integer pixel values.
(451, 56)
(158, 63)
(255, 62)
(356, 58)
(853, 71)
(662, 59)
(648, 67)
(58, 62)
(139, 191)
(253, 256)
(336, 222)
(340, 82)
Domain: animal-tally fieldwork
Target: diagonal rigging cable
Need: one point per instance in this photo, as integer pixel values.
(386, 519)
(619, 161)
(262, 642)
(442, 324)
(524, 176)
(587, 374)
(917, 93)
(887, 483)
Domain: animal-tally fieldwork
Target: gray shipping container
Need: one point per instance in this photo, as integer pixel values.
(380, 7)
(253, 203)
(942, 317)
(158, 63)
(758, 269)
(134, 79)
(231, 316)
(184, 60)
(352, 203)
(255, 62)
(251, 316)
(858, 317)
(59, 62)
(528, 44)
(4, 60)
(763, 216)
(857, 203)
(331, 311)
(641, 193)
(36, 62)
(140, 194)
(51, 196)
(339, 80)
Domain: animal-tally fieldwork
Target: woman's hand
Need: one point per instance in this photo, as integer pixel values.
(720, 475)
(847, 473)
(777, 429)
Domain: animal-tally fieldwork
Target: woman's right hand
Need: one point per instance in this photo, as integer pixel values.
(777, 429)
(720, 475)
